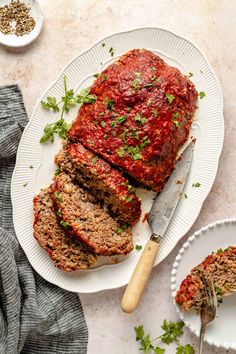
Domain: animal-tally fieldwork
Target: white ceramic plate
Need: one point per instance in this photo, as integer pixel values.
(221, 234)
(21, 41)
(208, 128)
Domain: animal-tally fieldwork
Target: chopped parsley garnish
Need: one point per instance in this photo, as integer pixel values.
(129, 199)
(145, 141)
(121, 119)
(105, 136)
(148, 85)
(190, 74)
(138, 247)
(101, 114)
(121, 151)
(104, 78)
(94, 160)
(170, 98)
(31, 167)
(57, 196)
(137, 74)
(153, 68)
(110, 104)
(103, 123)
(123, 134)
(176, 123)
(185, 196)
(64, 224)
(154, 112)
(103, 44)
(175, 119)
(134, 152)
(196, 185)
(112, 51)
(123, 184)
(176, 115)
(58, 213)
(219, 291)
(201, 94)
(134, 134)
(25, 184)
(120, 229)
(138, 118)
(113, 133)
(57, 171)
(113, 124)
(96, 75)
(136, 82)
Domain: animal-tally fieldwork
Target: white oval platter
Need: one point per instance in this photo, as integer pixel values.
(208, 128)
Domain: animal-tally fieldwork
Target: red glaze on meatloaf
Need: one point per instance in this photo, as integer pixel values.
(88, 220)
(106, 183)
(220, 267)
(142, 116)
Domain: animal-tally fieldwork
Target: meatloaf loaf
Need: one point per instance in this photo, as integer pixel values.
(91, 223)
(66, 251)
(220, 267)
(142, 116)
(106, 183)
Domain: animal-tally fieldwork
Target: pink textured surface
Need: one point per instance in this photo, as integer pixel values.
(71, 27)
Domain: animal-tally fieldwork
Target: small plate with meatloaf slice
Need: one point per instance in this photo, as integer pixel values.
(153, 91)
(211, 251)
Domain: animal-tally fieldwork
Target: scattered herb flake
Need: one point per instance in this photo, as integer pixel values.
(170, 98)
(148, 85)
(31, 167)
(104, 78)
(196, 185)
(121, 119)
(103, 44)
(121, 151)
(112, 51)
(64, 224)
(154, 112)
(139, 119)
(185, 196)
(113, 124)
(94, 160)
(25, 184)
(96, 75)
(153, 68)
(176, 123)
(103, 123)
(187, 349)
(138, 247)
(190, 74)
(219, 291)
(57, 171)
(201, 94)
(110, 104)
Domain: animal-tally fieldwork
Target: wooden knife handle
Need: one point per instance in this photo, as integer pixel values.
(139, 279)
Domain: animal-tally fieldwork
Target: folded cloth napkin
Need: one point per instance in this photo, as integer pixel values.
(35, 316)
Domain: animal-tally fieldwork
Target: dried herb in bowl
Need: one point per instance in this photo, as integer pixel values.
(15, 19)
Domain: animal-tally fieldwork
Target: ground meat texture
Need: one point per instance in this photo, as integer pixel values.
(220, 267)
(89, 221)
(142, 116)
(66, 251)
(106, 183)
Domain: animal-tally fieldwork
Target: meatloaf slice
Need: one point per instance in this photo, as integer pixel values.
(142, 116)
(66, 251)
(106, 183)
(220, 267)
(89, 221)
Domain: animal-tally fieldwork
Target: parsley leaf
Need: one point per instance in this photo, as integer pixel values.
(219, 291)
(139, 119)
(139, 332)
(103, 123)
(154, 112)
(110, 104)
(173, 330)
(159, 350)
(187, 349)
(190, 74)
(57, 171)
(138, 247)
(121, 119)
(170, 98)
(51, 103)
(197, 184)
(64, 224)
(201, 94)
(121, 151)
(112, 51)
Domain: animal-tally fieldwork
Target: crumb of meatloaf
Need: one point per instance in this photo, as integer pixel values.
(106, 183)
(66, 251)
(89, 220)
(220, 267)
(142, 116)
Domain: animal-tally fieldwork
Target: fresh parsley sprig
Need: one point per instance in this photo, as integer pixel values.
(172, 332)
(67, 101)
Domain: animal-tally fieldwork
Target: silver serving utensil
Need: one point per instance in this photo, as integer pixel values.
(159, 218)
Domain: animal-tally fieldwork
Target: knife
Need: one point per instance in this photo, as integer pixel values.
(159, 218)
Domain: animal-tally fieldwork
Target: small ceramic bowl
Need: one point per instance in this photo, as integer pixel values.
(14, 41)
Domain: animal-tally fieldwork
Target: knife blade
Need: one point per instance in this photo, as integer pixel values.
(166, 202)
(159, 218)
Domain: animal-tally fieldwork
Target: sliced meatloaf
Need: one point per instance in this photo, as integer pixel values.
(92, 224)
(220, 267)
(142, 116)
(66, 251)
(106, 183)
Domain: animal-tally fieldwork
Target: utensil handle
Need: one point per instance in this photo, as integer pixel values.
(139, 279)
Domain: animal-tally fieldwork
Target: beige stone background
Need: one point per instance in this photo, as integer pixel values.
(70, 27)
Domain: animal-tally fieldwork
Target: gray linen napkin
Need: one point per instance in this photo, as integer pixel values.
(35, 316)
